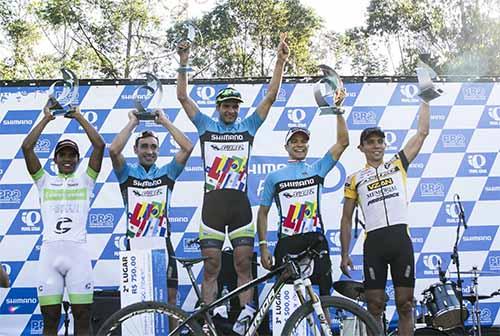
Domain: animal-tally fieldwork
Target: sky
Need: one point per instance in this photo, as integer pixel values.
(338, 15)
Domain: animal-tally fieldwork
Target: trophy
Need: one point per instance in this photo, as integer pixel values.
(152, 88)
(426, 89)
(61, 102)
(328, 87)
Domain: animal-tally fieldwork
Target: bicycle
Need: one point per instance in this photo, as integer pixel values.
(325, 315)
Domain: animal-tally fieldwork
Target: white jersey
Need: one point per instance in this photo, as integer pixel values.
(65, 203)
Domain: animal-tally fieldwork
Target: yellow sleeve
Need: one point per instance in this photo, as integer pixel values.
(350, 187)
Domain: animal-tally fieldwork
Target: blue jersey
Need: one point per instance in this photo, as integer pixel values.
(225, 150)
(146, 195)
(296, 189)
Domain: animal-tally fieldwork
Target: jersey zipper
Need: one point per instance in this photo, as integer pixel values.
(383, 196)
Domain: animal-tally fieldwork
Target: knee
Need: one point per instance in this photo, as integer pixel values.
(243, 266)
(80, 313)
(376, 307)
(211, 269)
(404, 307)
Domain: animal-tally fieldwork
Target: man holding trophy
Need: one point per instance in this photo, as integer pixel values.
(146, 188)
(226, 146)
(64, 202)
(296, 190)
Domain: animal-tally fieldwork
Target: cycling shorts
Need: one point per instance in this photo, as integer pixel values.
(64, 263)
(226, 207)
(392, 246)
(322, 273)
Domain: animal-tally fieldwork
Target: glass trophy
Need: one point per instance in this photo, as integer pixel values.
(326, 91)
(63, 94)
(152, 89)
(426, 88)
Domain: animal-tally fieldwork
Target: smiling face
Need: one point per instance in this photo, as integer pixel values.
(147, 151)
(298, 146)
(66, 160)
(228, 111)
(374, 149)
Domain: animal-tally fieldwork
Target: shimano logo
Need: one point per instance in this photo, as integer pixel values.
(297, 184)
(364, 118)
(476, 238)
(146, 183)
(453, 140)
(139, 96)
(492, 189)
(264, 168)
(193, 168)
(474, 93)
(226, 137)
(417, 240)
(22, 301)
(296, 116)
(10, 196)
(17, 122)
(432, 189)
(408, 93)
(178, 219)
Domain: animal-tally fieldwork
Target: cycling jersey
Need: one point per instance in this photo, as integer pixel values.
(64, 203)
(296, 189)
(146, 195)
(225, 150)
(381, 192)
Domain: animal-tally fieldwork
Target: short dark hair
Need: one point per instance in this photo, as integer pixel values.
(368, 132)
(144, 135)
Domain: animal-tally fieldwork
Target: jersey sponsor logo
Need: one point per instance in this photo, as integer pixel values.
(227, 137)
(147, 192)
(63, 225)
(228, 147)
(146, 183)
(299, 193)
(297, 184)
(380, 184)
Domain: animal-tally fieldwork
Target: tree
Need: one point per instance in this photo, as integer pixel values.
(459, 37)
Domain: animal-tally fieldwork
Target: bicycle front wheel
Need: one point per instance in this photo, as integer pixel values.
(148, 318)
(344, 317)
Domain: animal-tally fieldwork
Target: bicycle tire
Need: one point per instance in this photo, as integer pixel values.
(339, 304)
(124, 319)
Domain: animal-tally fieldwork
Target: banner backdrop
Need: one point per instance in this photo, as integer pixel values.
(460, 156)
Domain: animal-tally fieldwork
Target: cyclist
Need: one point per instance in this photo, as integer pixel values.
(296, 190)
(146, 188)
(64, 202)
(380, 190)
(225, 146)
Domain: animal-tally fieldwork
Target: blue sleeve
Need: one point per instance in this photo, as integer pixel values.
(252, 123)
(268, 192)
(202, 122)
(123, 174)
(172, 169)
(325, 164)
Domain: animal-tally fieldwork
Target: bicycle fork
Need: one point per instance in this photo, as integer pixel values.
(324, 320)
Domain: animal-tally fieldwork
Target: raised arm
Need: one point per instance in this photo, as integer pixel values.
(95, 138)
(265, 256)
(187, 103)
(28, 146)
(4, 278)
(345, 234)
(415, 143)
(275, 84)
(179, 137)
(119, 142)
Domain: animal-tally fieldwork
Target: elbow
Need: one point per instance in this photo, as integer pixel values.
(182, 97)
(113, 151)
(344, 142)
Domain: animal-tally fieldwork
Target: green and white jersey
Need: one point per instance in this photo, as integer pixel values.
(65, 202)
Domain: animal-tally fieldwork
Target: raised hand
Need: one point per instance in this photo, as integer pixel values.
(183, 49)
(283, 50)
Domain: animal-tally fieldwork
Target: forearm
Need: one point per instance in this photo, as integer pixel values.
(94, 137)
(262, 225)
(423, 120)
(121, 139)
(182, 84)
(342, 133)
(345, 235)
(275, 84)
(31, 139)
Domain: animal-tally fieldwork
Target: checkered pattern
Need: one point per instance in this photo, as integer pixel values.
(460, 156)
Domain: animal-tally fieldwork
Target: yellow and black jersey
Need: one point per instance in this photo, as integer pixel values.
(381, 192)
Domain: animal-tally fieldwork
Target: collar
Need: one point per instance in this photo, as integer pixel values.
(66, 176)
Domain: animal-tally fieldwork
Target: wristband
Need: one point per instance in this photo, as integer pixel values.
(263, 242)
(184, 69)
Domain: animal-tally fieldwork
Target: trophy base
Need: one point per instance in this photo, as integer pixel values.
(331, 110)
(430, 93)
(145, 116)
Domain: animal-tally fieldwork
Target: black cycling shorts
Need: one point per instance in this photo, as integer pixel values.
(226, 207)
(392, 246)
(322, 273)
